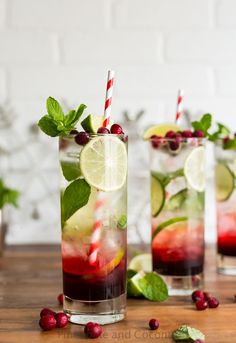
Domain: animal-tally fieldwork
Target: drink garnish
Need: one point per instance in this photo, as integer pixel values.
(186, 333)
(168, 223)
(225, 182)
(8, 195)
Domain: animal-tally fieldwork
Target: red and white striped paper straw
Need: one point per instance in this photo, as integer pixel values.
(108, 101)
(179, 108)
(97, 228)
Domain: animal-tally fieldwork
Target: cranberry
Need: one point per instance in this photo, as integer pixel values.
(92, 330)
(198, 134)
(207, 295)
(187, 134)
(170, 134)
(226, 139)
(61, 319)
(174, 145)
(60, 298)
(178, 137)
(156, 141)
(197, 295)
(201, 305)
(48, 322)
(46, 311)
(103, 130)
(213, 302)
(154, 324)
(74, 132)
(116, 129)
(82, 138)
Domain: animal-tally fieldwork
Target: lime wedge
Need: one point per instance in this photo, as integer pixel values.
(194, 169)
(103, 162)
(133, 288)
(176, 200)
(224, 182)
(160, 130)
(157, 196)
(141, 262)
(92, 123)
(168, 223)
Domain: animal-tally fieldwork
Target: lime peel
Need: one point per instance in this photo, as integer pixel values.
(168, 223)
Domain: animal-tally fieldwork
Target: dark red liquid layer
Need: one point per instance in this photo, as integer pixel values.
(226, 241)
(93, 284)
(177, 263)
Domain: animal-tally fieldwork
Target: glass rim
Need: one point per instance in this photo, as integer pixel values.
(72, 136)
(182, 139)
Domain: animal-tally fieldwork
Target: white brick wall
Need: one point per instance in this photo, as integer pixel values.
(64, 48)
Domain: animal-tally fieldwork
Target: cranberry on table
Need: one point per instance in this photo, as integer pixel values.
(103, 130)
(61, 319)
(60, 298)
(197, 295)
(198, 134)
(116, 129)
(82, 138)
(207, 295)
(201, 305)
(213, 302)
(154, 324)
(92, 330)
(48, 322)
(46, 311)
(187, 134)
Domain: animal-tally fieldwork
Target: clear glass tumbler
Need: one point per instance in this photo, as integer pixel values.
(177, 204)
(226, 209)
(94, 227)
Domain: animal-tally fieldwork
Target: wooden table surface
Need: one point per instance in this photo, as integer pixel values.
(30, 279)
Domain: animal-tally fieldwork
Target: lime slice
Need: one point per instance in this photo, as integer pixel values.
(194, 169)
(141, 262)
(176, 201)
(160, 130)
(157, 196)
(92, 123)
(133, 288)
(234, 167)
(103, 162)
(168, 223)
(224, 182)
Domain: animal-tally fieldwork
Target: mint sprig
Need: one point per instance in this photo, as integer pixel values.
(221, 132)
(8, 195)
(187, 333)
(76, 195)
(204, 124)
(55, 122)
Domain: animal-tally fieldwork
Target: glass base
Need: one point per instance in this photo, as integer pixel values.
(101, 312)
(183, 285)
(226, 264)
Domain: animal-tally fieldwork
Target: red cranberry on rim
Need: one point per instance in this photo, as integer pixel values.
(213, 302)
(187, 134)
(154, 324)
(198, 134)
(61, 319)
(103, 130)
(174, 145)
(82, 138)
(92, 330)
(60, 298)
(201, 305)
(197, 295)
(170, 134)
(46, 311)
(156, 141)
(116, 129)
(226, 139)
(48, 322)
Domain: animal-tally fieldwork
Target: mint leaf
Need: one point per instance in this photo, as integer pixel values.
(153, 287)
(75, 196)
(181, 334)
(195, 334)
(54, 109)
(72, 118)
(69, 118)
(80, 111)
(230, 144)
(48, 126)
(203, 124)
(222, 131)
(122, 222)
(8, 196)
(70, 170)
